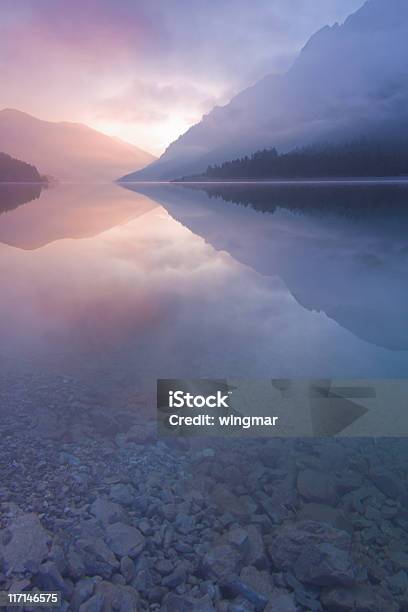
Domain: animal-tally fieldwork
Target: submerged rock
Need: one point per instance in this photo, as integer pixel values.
(221, 562)
(24, 544)
(91, 556)
(360, 598)
(316, 552)
(125, 540)
(106, 511)
(314, 486)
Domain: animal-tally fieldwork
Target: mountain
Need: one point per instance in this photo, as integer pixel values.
(67, 151)
(16, 171)
(348, 82)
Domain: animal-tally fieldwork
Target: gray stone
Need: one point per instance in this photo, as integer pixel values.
(256, 549)
(325, 565)
(122, 494)
(125, 540)
(57, 555)
(362, 598)
(398, 583)
(221, 562)
(177, 577)
(94, 604)
(314, 486)
(107, 512)
(95, 557)
(399, 558)
(118, 597)
(347, 481)
(252, 585)
(164, 566)
(127, 568)
(320, 513)
(24, 544)
(281, 601)
(238, 537)
(182, 603)
(240, 604)
(226, 501)
(317, 553)
(83, 591)
(49, 579)
(387, 482)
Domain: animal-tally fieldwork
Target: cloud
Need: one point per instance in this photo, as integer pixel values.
(151, 62)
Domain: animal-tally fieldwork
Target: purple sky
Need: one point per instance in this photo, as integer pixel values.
(145, 70)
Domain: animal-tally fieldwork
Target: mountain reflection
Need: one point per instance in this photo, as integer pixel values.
(340, 248)
(12, 196)
(65, 211)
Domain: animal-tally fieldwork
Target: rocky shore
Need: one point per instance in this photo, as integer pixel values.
(93, 505)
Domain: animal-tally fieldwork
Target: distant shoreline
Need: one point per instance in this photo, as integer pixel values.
(45, 182)
(314, 181)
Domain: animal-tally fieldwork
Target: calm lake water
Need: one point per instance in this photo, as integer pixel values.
(104, 289)
(205, 281)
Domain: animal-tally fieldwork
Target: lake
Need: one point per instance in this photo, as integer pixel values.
(168, 281)
(105, 288)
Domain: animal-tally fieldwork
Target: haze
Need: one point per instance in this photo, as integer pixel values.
(145, 71)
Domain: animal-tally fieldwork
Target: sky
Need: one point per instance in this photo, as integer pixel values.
(146, 70)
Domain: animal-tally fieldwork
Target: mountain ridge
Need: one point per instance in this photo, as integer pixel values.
(348, 81)
(67, 150)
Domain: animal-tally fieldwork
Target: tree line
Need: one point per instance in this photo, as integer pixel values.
(354, 159)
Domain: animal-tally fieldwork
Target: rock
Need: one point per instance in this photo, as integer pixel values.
(182, 603)
(127, 568)
(118, 597)
(95, 557)
(122, 494)
(177, 577)
(239, 605)
(398, 583)
(141, 433)
(321, 513)
(83, 591)
(107, 512)
(281, 601)
(362, 598)
(347, 481)
(252, 585)
(387, 482)
(318, 553)
(164, 567)
(399, 558)
(325, 565)
(49, 579)
(238, 537)
(256, 549)
(274, 510)
(18, 586)
(125, 540)
(94, 604)
(184, 523)
(226, 501)
(314, 486)
(24, 544)
(221, 562)
(57, 555)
